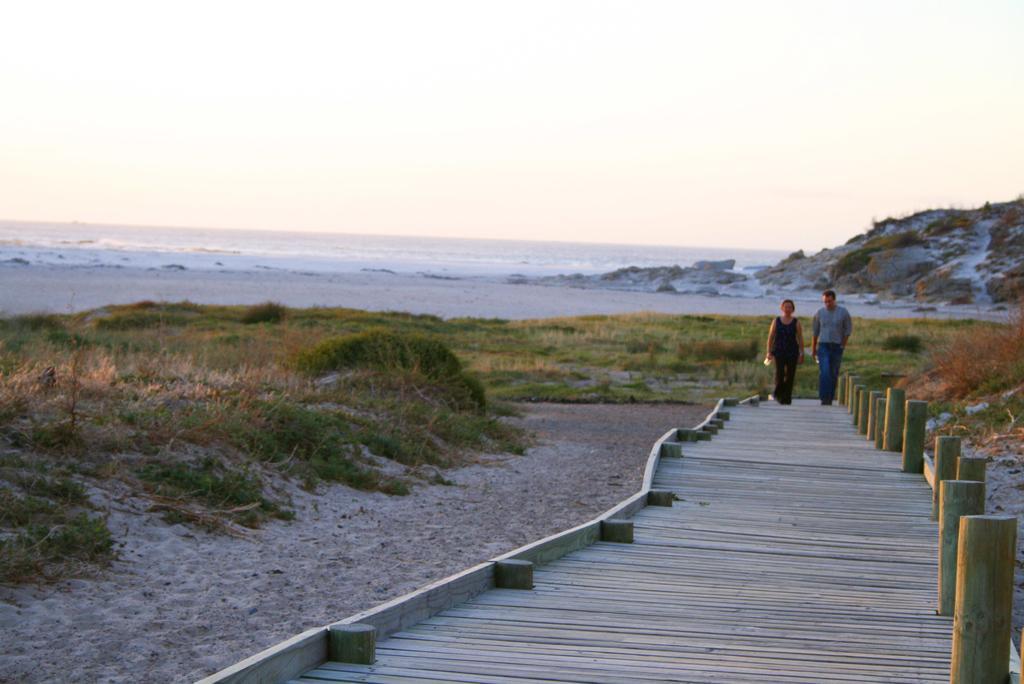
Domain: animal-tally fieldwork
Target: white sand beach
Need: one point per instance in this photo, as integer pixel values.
(64, 289)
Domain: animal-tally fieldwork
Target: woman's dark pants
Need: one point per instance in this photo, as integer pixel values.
(785, 374)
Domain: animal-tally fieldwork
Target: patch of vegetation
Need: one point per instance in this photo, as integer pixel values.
(137, 319)
(330, 395)
(267, 312)
(795, 256)
(383, 350)
(36, 322)
(235, 494)
(947, 224)
(49, 551)
(907, 343)
(45, 529)
(858, 259)
(721, 350)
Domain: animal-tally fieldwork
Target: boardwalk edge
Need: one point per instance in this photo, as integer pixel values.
(305, 651)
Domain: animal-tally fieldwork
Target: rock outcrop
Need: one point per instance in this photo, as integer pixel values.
(703, 277)
(958, 256)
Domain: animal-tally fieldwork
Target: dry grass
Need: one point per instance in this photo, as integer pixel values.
(982, 361)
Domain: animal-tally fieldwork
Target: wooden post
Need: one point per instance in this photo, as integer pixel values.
(723, 415)
(615, 530)
(971, 468)
(957, 498)
(686, 435)
(671, 450)
(851, 394)
(984, 599)
(513, 574)
(352, 644)
(660, 497)
(880, 421)
(894, 406)
(873, 397)
(916, 413)
(947, 451)
(863, 411)
(857, 392)
(841, 389)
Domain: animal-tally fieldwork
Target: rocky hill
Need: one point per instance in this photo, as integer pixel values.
(956, 256)
(939, 256)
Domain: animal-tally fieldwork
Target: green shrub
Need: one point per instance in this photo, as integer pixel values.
(140, 319)
(267, 312)
(946, 225)
(858, 259)
(381, 350)
(38, 549)
(907, 343)
(322, 443)
(58, 436)
(852, 262)
(388, 352)
(721, 350)
(36, 322)
(212, 484)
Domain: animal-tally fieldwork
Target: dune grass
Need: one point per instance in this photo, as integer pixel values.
(203, 408)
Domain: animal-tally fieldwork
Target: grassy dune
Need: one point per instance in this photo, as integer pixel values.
(204, 411)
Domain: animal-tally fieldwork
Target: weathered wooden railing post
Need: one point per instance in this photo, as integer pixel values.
(851, 393)
(971, 468)
(984, 599)
(878, 431)
(617, 530)
(916, 414)
(863, 411)
(947, 451)
(857, 392)
(513, 574)
(660, 497)
(894, 406)
(957, 499)
(352, 644)
(873, 397)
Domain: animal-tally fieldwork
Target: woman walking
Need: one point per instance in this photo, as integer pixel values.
(786, 349)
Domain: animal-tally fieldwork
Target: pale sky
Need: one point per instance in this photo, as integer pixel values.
(750, 124)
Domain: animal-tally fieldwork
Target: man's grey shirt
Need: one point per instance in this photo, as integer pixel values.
(832, 326)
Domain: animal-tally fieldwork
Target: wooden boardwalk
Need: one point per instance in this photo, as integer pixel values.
(796, 553)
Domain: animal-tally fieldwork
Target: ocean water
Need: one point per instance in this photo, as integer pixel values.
(119, 246)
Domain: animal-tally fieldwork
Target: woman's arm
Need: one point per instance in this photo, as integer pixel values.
(800, 340)
(771, 340)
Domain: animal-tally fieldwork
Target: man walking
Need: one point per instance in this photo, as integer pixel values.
(832, 329)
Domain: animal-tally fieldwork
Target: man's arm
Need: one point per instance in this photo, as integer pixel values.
(847, 327)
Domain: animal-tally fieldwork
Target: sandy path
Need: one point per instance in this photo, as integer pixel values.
(179, 604)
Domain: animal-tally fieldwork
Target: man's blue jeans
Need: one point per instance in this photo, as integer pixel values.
(830, 355)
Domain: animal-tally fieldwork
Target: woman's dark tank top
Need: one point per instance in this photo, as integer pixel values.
(785, 339)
